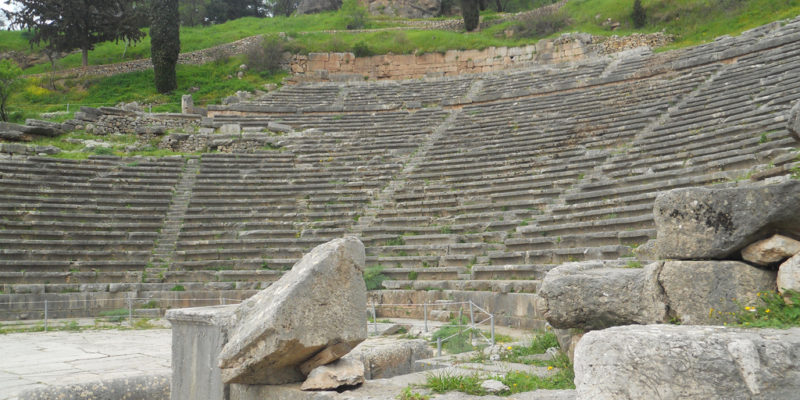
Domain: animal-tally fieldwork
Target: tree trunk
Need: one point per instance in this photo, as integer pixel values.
(499, 4)
(85, 57)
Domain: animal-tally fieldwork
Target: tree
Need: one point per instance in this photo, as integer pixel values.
(193, 12)
(283, 7)
(66, 25)
(219, 11)
(639, 16)
(471, 14)
(165, 43)
(354, 14)
(9, 80)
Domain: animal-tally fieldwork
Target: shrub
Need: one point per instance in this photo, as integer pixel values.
(266, 55)
(471, 13)
(354, 14)
(539, 25)
(9, 80)
(361, 49)
(639, 16)
(373, 277)
(165, 44)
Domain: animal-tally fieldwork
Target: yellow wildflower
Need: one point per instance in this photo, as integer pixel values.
(766, 311)
(508, 348)
(549, 367)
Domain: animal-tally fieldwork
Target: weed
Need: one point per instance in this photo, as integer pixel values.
(633, 264)
(408, 394)
(398, 241)
(373, 277)
(178, 288)
(412, 275)
(772, 311)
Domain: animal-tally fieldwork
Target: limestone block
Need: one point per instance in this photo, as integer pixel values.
(694, 288)
(789, 275)
(320, 303)
(230, 129)
(703, 223)
(493, 386)
(589, 295)
(688, 362)
(343, 372)
(769, 251)
(187, 104)
(794, 121)
(385, 358)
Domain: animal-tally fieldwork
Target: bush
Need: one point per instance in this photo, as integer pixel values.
(374, 278)
(165, 43)
(266, 55)
(9, 81)
(540, 25)
(354, 14)
(639, 16)
(361, 49)
(471, 14)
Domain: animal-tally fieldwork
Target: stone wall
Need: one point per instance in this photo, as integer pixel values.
(567, 48)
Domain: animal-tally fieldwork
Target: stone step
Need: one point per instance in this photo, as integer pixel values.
(494, 286)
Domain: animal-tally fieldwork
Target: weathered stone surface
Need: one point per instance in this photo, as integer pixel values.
(773, 250)
(317, 6)
(198, 335)
(789, 275)
(320, 303)
(493, 386)
(588, 295)
(688, 362)
(385, 358)
(278, 127)
(794, 121)
(230, 129)
(327, 356)
(406, 8)
(343, 372)
(694, 288)
(703, 223)
(151, 387)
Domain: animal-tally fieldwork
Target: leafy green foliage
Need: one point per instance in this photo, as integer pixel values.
(541, 25)
(361, 49)
(9, 81)
(78, 24)
(471, 13)
(354, 14)
(265, 56)
(165, 43)
(374, 278)
(408, 394)
(638, 15)
(772, 311)
(456, 344)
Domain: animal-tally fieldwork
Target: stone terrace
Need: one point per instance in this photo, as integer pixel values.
(463, 187)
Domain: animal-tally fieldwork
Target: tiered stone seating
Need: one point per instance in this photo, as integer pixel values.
(472, 186)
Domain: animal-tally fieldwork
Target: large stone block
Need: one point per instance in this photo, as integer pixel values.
(703, 223)
(770, 251)
(702, 292)
(789, 275)
(688, 362)
(589, 295)
(320, 303)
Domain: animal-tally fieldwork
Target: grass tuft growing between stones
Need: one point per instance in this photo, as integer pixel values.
(772, 311)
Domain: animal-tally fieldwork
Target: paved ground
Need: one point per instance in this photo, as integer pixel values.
(34, 360)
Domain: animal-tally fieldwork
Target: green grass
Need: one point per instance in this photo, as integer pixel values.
(373, 277)
(214, 81)
(772, 311)
(691, 21)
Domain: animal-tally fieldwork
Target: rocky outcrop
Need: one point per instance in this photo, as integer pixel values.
(703, 223)
(589, 295)
(319, 304)
(794, 121)
(343, 372)
(406, 8)
(688, 362)
(705, 292)
(318, 6)
(770, 251)
(789, 275)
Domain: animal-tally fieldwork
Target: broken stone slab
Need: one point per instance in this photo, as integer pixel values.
(789, 275)
(794, 121)
(494, 386)
(325, 357)
(589, 295)
(703, 292)
(342, 372)
(688, 362)
(146, 387)
(320, 303)
(708, 223)
(770, 251)
(385, 358)
(277, 127)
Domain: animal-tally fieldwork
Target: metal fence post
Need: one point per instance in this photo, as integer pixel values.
(45, 315)
(438, 347)
(491, 320)
(425, 311)
(374, 319)
(130, 311)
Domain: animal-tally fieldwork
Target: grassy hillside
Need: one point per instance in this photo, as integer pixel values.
(691, 21)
